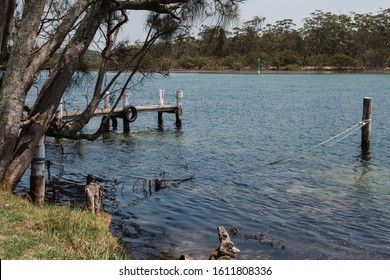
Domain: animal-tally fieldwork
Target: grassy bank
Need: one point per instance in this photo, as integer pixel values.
(51, 232)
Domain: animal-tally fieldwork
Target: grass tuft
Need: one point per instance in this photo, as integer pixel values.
(52, 232)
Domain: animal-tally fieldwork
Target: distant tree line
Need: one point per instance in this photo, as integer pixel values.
(325, 41)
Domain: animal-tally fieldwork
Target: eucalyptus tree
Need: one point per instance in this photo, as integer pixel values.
(372, 38)
(68, 27)
(214, 40)
(327, 34)
(246, 38)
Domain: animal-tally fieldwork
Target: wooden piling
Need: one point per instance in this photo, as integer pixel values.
(179, 110)
(366, 129)
(37, 178)
(126, 123)
(59, 111)
(107, 106)
(161, 95)
(125, 99)
(114, 123)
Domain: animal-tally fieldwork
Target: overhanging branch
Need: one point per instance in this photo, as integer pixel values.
(162, 7)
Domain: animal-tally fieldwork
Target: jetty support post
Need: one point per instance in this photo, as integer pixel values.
(161, 96)
(107, 105)
(126, 123)
(94, 193)
(59, 114)
(37, 178)
(179, 111)
(366, 129)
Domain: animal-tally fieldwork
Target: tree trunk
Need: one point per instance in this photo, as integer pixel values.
(3, 4)
(6, 16)
(51, 93)
(11, 92)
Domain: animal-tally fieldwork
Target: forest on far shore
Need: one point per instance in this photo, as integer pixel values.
(326, 41)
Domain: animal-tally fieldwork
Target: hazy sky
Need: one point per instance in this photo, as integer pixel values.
(274, 10)
(297, 10)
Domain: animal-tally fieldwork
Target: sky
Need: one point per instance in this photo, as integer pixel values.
(274, 10)
(297, 10)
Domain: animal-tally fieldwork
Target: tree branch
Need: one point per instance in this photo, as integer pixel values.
(46, 51)
(29, 121)
(162, 7)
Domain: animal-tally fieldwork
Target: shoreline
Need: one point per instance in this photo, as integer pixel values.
(266, 72)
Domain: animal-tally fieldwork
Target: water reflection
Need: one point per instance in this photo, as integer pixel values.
(362, 170)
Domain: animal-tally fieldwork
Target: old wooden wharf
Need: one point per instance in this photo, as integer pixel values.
(129, 113)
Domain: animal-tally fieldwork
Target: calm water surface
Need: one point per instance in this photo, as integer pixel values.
(331, 205)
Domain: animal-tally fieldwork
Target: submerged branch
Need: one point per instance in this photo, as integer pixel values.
(164, 179)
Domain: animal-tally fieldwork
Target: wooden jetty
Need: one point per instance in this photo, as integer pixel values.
(128, 113)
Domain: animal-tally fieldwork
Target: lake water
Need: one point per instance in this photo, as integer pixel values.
(323, 204)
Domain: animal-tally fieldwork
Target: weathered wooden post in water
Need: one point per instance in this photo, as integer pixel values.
(107, 106)
(161, 95)
(106, 101)
(37, 178)
(366, 129)
(126, 123)
(179, 111)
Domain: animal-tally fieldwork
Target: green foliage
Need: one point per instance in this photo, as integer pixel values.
(87, 65)
(325, 40)
(188, 62)
(317, 60)
(289, 57)
(376, 58)
(291, 67)
(341, 61)
(237, 66)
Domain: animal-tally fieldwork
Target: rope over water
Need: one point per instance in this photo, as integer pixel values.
(337, 138)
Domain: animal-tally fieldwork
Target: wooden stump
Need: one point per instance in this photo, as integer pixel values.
(226, 249)
(94, 195)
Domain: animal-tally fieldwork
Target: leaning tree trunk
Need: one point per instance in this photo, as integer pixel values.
(50, 95)
(6, 24)
(12, 95)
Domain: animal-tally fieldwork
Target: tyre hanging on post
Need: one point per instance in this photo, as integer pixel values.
(130, 113)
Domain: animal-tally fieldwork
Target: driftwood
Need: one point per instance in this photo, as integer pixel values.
(186, 258)
(94, 195)
(261, 237)
(147, 184)
(226, 249)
